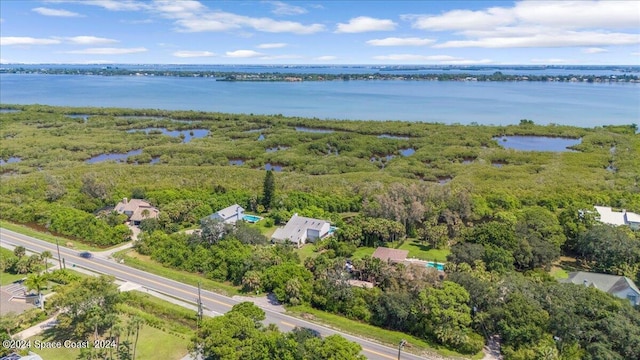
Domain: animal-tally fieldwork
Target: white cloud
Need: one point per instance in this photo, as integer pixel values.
(192, 54)
(25, 40)
(326, 58)
(441, 59)
(635, 53)
(462, 19)
(549, 39)
(222, 21)
(55, 12)
(394, 41)
(117, 5)
(90, 40)
(194, 16)
(243, 54)
(271, 46)
(594, 50)
(365, 24)
(108, 51)
(538, 24)
(281, 57)
(281, 8)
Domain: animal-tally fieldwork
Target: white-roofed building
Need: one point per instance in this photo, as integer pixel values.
(229, 215)
(618, 218)
(300, 229)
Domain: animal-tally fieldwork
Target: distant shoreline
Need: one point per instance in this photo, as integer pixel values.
(392, 73)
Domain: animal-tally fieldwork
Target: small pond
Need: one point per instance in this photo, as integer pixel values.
(499, 163)
(256, 130)
(537, 143)
(274, 167)
(188, 134)
(9, 111)
(261, 137)
(117, 157)
(442, 180)
(236, 162)
(84, 117)
(276, 148)
(407, 152)
(155, 160)
(11, 160)
(134, 117)
(468, 160)
(381, 158)
(313, 130)
(389, 136)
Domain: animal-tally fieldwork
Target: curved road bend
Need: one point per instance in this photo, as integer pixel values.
(212, 301)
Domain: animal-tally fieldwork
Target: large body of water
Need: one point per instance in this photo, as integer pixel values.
(499, 103)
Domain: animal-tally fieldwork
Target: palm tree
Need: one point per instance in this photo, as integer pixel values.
(37, 282)
(136, 323)
(45, 256)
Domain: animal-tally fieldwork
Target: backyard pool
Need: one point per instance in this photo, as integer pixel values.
(251, 218)
(437, 265)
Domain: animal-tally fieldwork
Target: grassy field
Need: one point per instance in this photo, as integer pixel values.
(74, 244)
(387, 337)
(6, 278)
(306, 251)
(416, 250)
(151, 343)
(421, 251)
(145, 263)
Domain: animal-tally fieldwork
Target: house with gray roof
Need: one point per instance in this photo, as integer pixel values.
(300, 229)
(136, 210)
(229, 215)
(606, 215)
(620, 286)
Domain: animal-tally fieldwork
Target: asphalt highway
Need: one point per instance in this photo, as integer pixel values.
(216, 303)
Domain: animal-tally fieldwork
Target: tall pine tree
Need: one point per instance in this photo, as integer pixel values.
(269, 189)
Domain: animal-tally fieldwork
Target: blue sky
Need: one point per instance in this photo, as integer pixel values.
(320, 32)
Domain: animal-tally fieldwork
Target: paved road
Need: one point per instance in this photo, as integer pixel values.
(216, 303)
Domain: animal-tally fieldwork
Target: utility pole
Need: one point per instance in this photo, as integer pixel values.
(199, 315)
(403, 342)
(59, 257)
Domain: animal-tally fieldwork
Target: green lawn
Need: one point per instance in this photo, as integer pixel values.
(151, 343)
(416, 250)
(306, 251)
(559, 273)
(6, 278)
(145, 263)
(75, 244)
(421, 251)
(387, 337)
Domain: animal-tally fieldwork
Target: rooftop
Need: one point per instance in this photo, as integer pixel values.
(608, 216)
(605, 282)
(387, 254)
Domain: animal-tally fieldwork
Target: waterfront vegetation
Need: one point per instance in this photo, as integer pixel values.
(501, 217)
(387, 73)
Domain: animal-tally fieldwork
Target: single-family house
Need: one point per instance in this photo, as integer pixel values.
(390, 255)
(300, 229)
(618, 218)
(229, 215)
(136, 210)
(620, 286)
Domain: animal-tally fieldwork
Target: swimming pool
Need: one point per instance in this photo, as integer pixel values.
(439, 266)
(251, 218)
